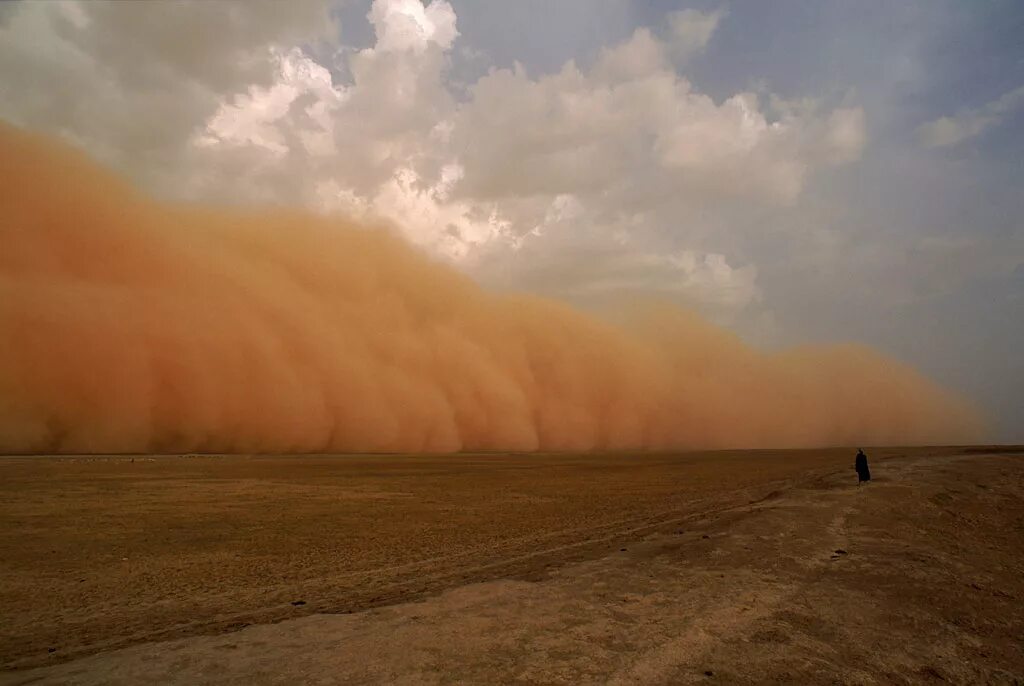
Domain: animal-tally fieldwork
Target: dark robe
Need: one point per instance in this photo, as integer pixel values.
(861, 465)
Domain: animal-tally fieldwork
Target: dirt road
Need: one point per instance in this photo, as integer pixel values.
(752, 567)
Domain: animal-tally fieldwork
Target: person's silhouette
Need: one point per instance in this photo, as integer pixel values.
(861, 465)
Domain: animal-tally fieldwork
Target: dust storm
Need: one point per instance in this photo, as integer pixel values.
(132, 325)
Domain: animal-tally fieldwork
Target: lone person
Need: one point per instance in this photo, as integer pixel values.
(861, 465)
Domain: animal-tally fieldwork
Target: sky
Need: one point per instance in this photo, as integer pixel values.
(798, 172)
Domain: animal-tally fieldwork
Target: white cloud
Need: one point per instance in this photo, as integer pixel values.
(422, 212)
(615, 165)
(702, 277)
(631, 127)
(590, 270)
(408, 25)
(947, 131)
(691, 30)
(636, 58)
(845, 135)
(118, 78)
(252, 118)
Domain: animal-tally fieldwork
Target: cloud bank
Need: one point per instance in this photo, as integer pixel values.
(948, 131)
(132, 325)
(266, 105)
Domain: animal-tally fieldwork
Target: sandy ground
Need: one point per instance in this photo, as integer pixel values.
(765, 567)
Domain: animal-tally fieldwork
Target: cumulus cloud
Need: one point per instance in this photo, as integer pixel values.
(617, 153)
(117, 77)
(253, 118)
(424, 213)
(409, 25)
(691, 30)
(947, 131)
(358, 135)
(595, 273)
(631, 127)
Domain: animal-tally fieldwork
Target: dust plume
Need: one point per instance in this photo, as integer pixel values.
(127, 325)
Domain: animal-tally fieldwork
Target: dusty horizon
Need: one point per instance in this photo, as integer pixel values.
(137, 326)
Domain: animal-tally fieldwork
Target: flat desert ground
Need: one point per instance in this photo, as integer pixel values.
(717, 567)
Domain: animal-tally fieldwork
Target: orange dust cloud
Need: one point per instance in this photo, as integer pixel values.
(127, 325)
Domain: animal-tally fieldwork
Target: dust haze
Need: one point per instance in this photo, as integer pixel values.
(128, 325)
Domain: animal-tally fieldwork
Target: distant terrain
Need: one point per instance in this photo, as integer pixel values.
(737, 566)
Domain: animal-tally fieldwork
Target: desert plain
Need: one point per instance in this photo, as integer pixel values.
(768, 566)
